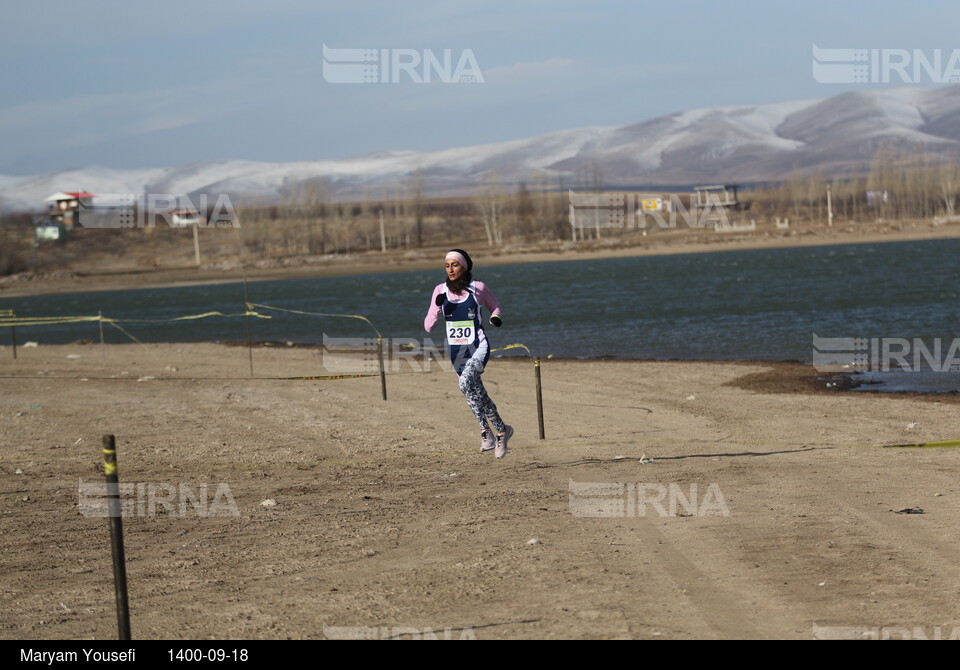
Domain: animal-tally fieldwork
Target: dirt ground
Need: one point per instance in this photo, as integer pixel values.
(389, 522)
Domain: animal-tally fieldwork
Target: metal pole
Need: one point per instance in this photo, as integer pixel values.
(536, 368)
(383, 378)
(13, 336)
(116, 535)
(249, 332)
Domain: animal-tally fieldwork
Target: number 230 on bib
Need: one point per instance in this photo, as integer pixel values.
(460, 333)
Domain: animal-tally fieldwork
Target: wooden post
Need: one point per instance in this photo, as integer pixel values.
(536, 367)
(103, 351)
(116, 535)
(249, 332)
(13, 330)
(383, 378)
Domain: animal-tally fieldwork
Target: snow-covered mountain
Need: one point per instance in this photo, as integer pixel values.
(730, 144)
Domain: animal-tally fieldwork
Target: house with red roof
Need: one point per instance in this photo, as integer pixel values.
(64, 207)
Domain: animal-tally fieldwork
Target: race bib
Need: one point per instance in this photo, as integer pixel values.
(460, 333)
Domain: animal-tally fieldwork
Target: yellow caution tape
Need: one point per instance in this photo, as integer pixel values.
(56, 320)
(188, 318)
(46, 320)
(251, 305)
(514, 346)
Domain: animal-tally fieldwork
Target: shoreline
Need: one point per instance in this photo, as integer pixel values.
(780, 376)
(374, 262)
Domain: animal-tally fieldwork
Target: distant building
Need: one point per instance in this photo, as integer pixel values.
(185, 217)
(52, 232)
(651, 202)
(717, 196)
(64, 208)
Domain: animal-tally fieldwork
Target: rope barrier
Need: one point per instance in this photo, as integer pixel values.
(514, 346)
(125, 333)
(7, 319)
(57, 320)
(251, 305)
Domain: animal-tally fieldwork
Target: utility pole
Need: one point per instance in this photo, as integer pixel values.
(829, 208)
(383, 239)
(196, 242)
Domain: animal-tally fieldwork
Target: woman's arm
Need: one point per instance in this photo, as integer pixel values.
(434, 311)
(486, 298)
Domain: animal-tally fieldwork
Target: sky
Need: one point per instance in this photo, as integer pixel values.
(142, 84)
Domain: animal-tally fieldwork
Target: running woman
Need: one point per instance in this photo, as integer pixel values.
(459, 300)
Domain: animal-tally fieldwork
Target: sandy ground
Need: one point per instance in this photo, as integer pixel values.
(390, 523)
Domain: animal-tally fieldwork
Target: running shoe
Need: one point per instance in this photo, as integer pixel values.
(501, 448)
(487, 442)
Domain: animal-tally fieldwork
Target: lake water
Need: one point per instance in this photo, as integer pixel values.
(732, 305)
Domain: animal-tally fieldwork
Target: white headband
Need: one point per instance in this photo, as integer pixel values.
(458, 257)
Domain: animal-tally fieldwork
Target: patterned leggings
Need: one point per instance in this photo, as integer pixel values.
(480, 403)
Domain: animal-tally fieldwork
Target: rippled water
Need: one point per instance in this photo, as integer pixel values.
(755, 305)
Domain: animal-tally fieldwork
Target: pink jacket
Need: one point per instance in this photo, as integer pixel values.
(482, 292)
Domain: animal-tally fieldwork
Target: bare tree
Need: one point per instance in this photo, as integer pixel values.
(814, 190)
(880, 181)
(948, 181)
(596, 184)
(489, 202)
(313, 197)
(795, 190)
(524, 211)
(416, 191)
(541, 206)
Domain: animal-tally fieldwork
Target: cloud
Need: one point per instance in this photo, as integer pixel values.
(99, 22)
(65, 126)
